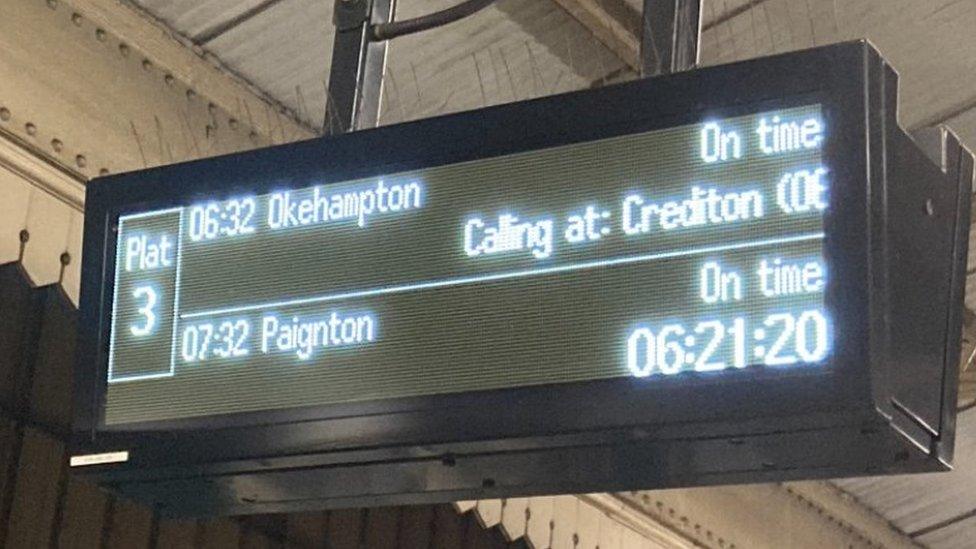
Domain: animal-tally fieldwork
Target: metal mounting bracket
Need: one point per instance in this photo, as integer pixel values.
(355, 87)
(670, 36)
(669, 43)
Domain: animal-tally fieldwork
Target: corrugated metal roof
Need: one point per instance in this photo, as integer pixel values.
(923, 40)
(515, 49)
(192, 18)
(286, 51)
(937, 508)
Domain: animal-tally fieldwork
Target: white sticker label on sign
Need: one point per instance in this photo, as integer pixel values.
(99, 459)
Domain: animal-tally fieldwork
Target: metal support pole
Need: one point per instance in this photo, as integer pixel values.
(670, 36)
(355, 90)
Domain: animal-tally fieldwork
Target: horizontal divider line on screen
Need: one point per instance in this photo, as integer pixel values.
(153, 213)
(459, 281)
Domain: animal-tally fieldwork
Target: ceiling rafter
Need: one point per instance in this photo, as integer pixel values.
(212, 33)
(615, 23)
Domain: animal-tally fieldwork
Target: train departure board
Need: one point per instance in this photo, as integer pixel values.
(689, 251)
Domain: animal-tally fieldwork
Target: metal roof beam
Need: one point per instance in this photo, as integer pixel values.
(613, 22)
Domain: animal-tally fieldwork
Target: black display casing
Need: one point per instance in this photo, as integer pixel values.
(896, 242)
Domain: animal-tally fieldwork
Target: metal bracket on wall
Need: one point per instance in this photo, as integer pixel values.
(670, 36)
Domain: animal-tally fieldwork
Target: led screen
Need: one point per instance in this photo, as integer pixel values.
(685, 252)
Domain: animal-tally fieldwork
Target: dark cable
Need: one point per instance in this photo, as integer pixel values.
(386, 31)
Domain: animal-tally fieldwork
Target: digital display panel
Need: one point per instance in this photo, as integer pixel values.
(681, 252)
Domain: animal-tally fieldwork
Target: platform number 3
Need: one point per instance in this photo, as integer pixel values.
(147, 310)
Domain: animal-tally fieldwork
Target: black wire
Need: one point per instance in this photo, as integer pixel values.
(386, 31)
